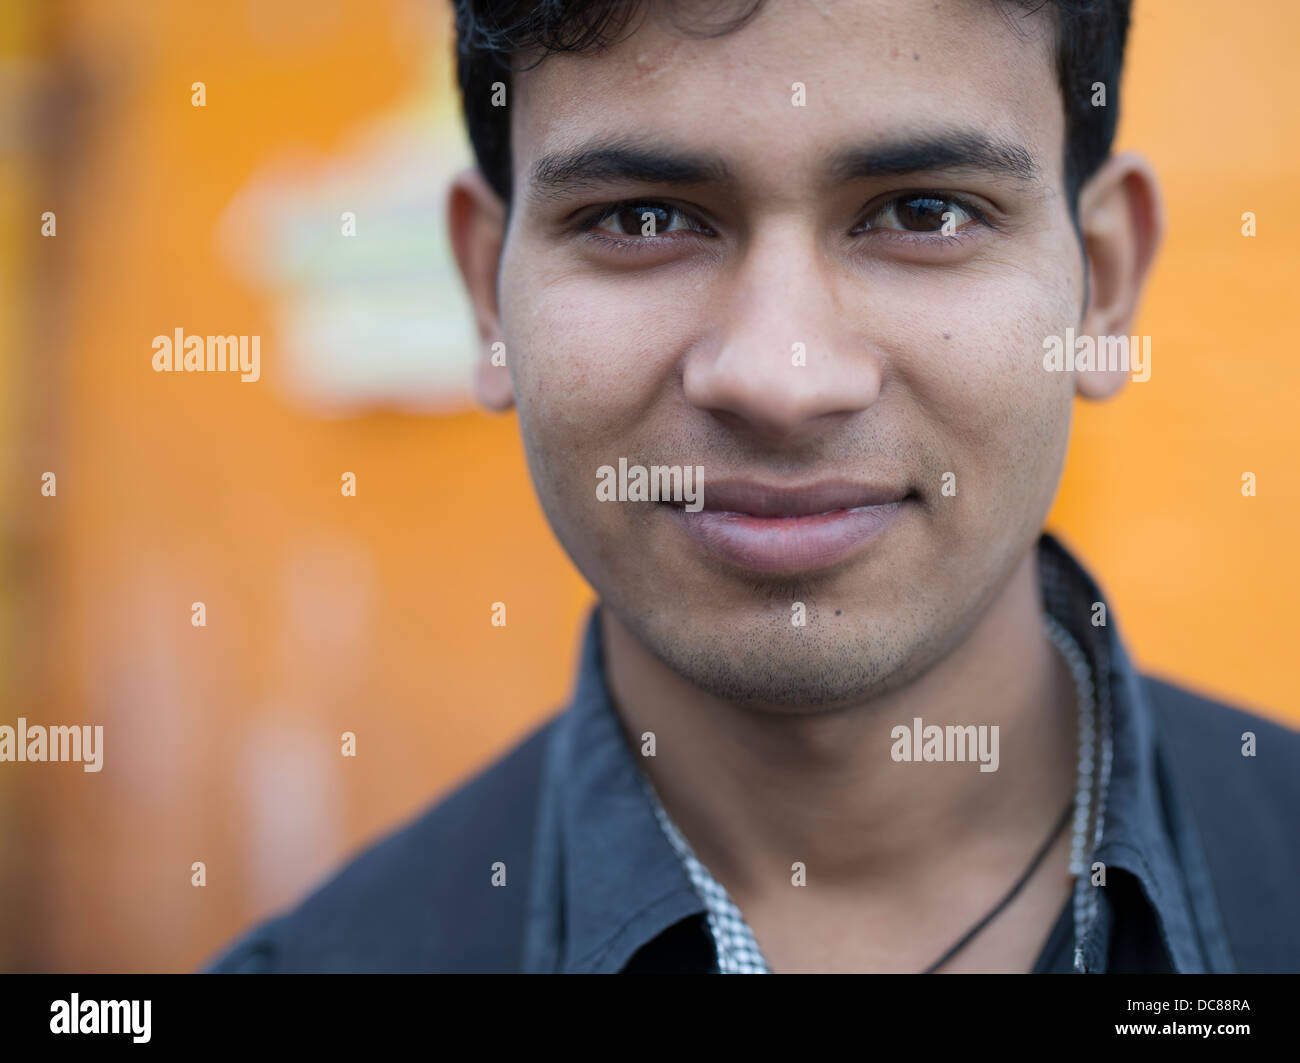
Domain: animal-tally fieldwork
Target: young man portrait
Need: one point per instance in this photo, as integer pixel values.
(793, 301)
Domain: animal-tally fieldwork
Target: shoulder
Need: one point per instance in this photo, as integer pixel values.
(1236, 746)
(1237, 774)
(421, 898)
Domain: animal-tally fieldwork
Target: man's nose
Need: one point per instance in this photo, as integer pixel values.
(783, 361)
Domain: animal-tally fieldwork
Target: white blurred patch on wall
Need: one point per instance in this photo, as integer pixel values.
(375, 319)
(289, 784)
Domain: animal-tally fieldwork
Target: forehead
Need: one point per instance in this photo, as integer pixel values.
(870, 69)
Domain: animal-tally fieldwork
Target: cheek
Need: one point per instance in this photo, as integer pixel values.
(974, 371)
(590, 359)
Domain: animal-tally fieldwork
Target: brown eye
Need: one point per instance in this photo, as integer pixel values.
(920, 214)
(642, 219)
(923, 214)
(633, 219)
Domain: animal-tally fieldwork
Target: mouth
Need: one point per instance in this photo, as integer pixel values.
(780, 530)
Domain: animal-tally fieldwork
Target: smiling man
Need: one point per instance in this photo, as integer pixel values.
(853, 711)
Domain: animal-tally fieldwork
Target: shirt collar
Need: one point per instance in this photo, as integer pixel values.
(621, 884)
(1135, 834)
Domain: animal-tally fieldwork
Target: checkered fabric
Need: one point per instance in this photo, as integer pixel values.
(737, 951)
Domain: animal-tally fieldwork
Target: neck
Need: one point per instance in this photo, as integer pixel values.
(756, 790)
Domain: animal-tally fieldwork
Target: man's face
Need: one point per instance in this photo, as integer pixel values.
(906, 225)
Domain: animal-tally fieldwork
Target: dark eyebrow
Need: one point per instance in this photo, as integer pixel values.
(943, 151)
(570, 171)
(579, 169)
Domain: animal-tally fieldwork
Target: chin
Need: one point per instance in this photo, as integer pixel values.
(766, 667)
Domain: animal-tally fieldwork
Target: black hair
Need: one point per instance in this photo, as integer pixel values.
(491, 36)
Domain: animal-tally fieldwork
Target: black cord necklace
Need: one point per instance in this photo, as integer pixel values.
(1020, 883)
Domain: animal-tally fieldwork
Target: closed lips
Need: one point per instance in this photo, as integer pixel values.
(763, 500)
(789, 530)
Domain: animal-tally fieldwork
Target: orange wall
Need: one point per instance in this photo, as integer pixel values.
(1204, 579)
(370, 614)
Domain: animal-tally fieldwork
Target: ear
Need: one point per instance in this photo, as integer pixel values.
(1122, 221)
(476, 220)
